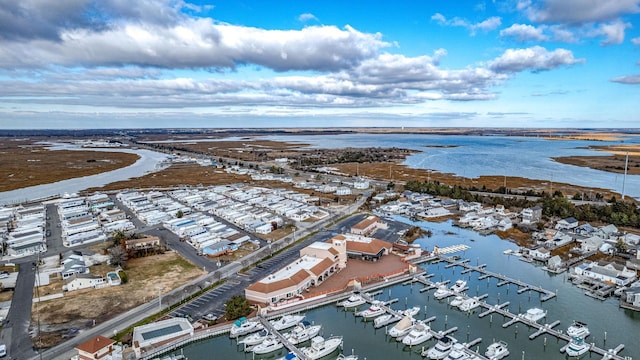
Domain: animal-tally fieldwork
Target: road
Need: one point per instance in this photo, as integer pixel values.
(16, 327)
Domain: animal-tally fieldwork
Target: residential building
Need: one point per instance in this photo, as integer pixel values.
(83, 281)
(567, 224)
(147, 242)
(608, 272)
(99, 347)
(540, 253)
(73, 263)
(531, 215)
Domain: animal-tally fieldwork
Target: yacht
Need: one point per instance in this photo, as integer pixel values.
(469, 304)
(440, 350)
(303, 332)
(577, 347)
(286, 322)
(254, 339)
(402, 328)
(420, 333)
(457, 301)
(347, 357)
(371, 311)
(244, 326)
(385, 319)
(269, 345)
(459, 286)
(497, 350)
(353, 301)
(578, 329)
(534, 314)
(458, 353)
(320, 347)
(412, 311)
(442, 292)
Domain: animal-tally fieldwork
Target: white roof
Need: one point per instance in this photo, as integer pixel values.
(304, 263)
(320, 245)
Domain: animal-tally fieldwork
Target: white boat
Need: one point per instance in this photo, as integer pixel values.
(578, 329)
(442, 292)
(508, 252)
(412, 311)
(385, 320)
(269, 345)
(402, 328)
(534, 314)
(286, 322)
(353, 301)
(497, 350)
(469, 304)
(371, 311)
(303, 332)
(419, 334)
(458, 353)
(254, 339)
(459, 299)
(459, 286)
(244, 326)
(320, 347)
(440, 350)
(347, 357)
(577, 347)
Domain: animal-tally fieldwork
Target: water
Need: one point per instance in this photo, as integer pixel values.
(147, 162)
(473, 156)
(622, 326)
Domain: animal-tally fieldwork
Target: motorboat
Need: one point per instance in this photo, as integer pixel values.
(578, 329)
(269, 345)
(457, 301)
(440, 350)
(254, 339)
(420, 333)
(469, 304)
(534, 314)
(385, 319)
(286, 322)
(371, 311)
(347, 357)
(353, 301)
(412, 311)
(497, 350)
(458, 353)
(442, 292)
(303, 332)
(577, 347)
(402, 328)
(244, 326)
(320, 347)
(459, 286)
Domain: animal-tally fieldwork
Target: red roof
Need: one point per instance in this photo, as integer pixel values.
(96, 344)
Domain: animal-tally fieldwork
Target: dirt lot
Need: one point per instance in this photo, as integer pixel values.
(146, 275)
(25, 164)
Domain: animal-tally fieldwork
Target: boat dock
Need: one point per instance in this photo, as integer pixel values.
(504, 280)
(503, 310)
(292, 348)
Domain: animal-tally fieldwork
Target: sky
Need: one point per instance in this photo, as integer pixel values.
(319, 63)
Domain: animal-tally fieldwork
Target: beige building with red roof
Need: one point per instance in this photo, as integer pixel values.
(364, 248)
(368, 226)
(98, 347)
(316, 263)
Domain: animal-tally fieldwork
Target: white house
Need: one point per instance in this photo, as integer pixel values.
(592, 243)
(343, 190)
(607, 272)
(531, 215)
(83, 281)
(567, 224)
(540, 253)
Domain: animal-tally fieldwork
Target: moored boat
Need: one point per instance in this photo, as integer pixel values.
(459, 299)
(412, 311)
(321, 347)
(244, 326)
(269, 345)
(440, 350)
(253, 339)
(402, 328)
(458, 353)
(418, 334)
(303, 332)
(385, 319)
(497, 350)
(534, 314)
(578, 329)
(577, 347)
(469, 304)
(371, 311)
(286, 322)
(353, 301)
(442, 292)
(459, 286)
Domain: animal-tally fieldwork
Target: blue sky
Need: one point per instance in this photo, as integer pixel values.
(173, 63)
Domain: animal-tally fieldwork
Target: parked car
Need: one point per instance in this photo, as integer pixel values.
(210, 317)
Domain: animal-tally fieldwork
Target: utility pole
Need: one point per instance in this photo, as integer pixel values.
(624, 179)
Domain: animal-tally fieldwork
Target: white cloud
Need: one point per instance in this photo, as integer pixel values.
(523, 32)
(578, 11)
(198, 43)
(628, 79)
(535, 59)
(635, 41)
(562, 34)
(307, 17)
(489, 24)
(613, 32)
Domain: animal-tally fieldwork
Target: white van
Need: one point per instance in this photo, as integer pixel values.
(3, 350)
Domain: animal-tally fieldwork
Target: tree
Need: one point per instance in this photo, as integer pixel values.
(621, 246)
(237, 307)
(179, 214)
(391, 185)
(118, 236)
(118, 256)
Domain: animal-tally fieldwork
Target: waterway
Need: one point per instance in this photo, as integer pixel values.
(148, 162)
(621, 326)
(473, 156)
